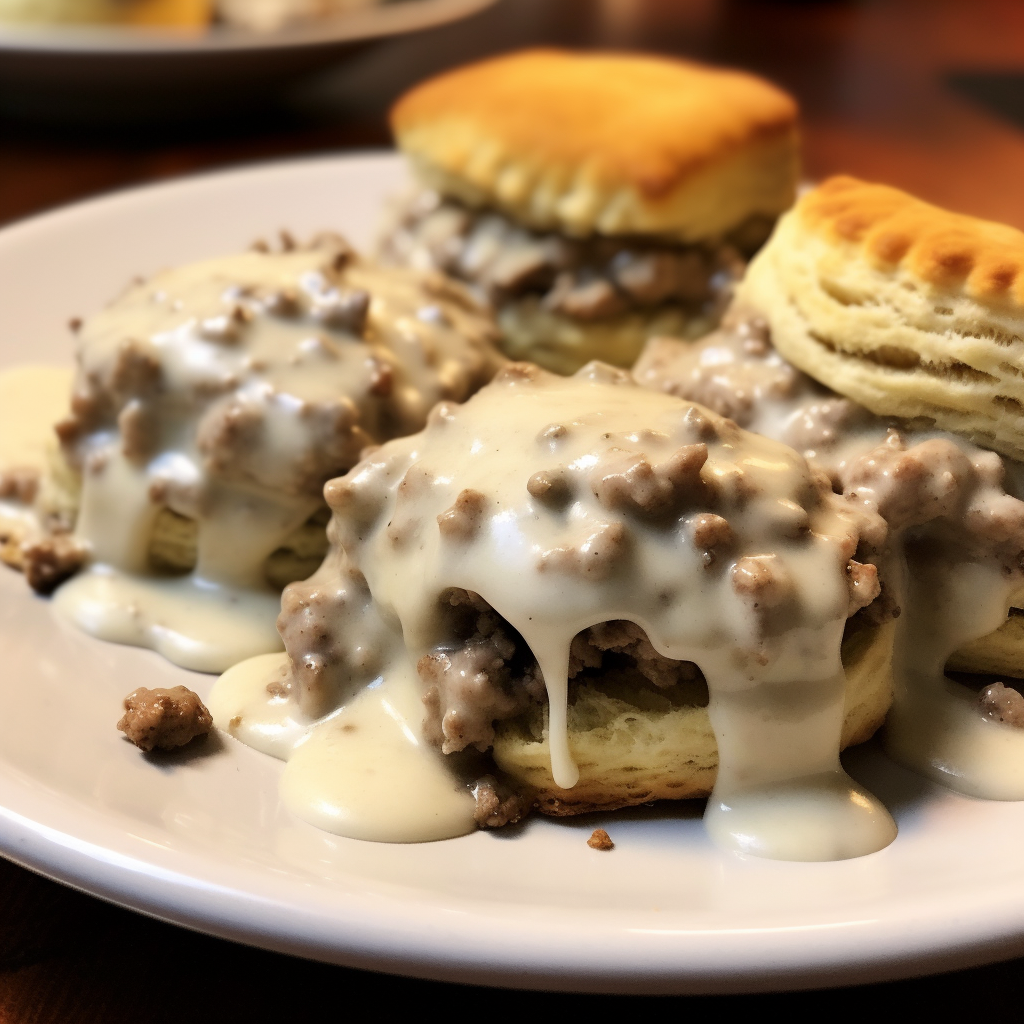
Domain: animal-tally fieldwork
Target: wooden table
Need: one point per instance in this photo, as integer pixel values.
(925, 94)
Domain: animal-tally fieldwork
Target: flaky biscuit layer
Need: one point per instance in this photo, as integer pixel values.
(631, 752)
(908, 309)
(605, 143)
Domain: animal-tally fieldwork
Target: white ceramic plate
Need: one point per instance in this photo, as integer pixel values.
(205, 842)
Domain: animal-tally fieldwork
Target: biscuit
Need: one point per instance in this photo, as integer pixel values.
(605, 143)
(174, 544)
(633, 745)
(908, 309)
(54, 506)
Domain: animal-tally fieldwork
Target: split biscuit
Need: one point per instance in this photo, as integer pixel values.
(906, 308)
(174, 547)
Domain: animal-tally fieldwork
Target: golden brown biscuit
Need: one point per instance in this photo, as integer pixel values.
(906, 308)
(607, 143)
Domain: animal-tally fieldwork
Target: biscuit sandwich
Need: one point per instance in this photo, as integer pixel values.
(593, 198)
(210, 405)
(575, 594)
(884, 338)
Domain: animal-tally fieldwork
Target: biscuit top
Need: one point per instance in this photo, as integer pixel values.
(527, 131)
(620, 113)
(944, 249)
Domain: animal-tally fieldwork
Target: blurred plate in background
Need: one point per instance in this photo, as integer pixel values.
(66, 71)
(207, 843)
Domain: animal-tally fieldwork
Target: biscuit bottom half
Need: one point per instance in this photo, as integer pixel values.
(634, 744)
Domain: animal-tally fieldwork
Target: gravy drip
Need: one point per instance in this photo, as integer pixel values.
(567, 502)
(228, 392)
(951, 559)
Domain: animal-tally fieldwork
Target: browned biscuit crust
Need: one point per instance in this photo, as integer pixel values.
(605, 142)
(939, 247)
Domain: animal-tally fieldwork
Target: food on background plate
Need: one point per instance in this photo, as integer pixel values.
(915, 317)
(594, 199)
(258, 15)
(554, 572)
(210, 405)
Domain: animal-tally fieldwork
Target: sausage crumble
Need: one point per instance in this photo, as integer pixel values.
(164, 719)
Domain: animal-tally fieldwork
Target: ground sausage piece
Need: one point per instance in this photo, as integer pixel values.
(497, 804)
(464, 518)
(594, 557)
(164, 719)
(470, 688)
(139, 431)
(600, 840)
(489, 674)
(862, 580)
(345, 310)
(762, 579)
(585, 279)
(626, 481)
(711, 531)
(550, 487)
(590, 300)
(48, 561)
(910, 487)
(1003, 704)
